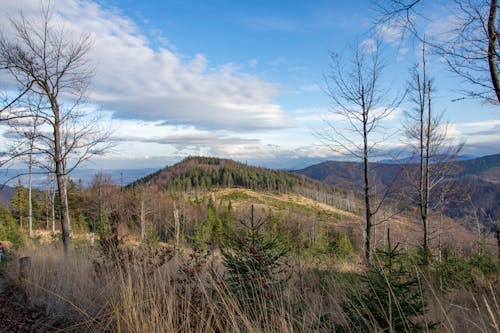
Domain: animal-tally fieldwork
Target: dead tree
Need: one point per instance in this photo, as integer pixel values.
(432, 155)
(359, 105)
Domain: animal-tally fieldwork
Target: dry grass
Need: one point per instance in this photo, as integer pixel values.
(141, 293)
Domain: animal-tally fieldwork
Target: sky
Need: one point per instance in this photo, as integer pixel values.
(239, 79)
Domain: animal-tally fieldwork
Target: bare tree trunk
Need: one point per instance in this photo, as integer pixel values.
(498, 242)
(30, 184)
(368, 213)
(143, 217)
(425, 208)
(65, 221)
(177, 227)
(47, 206)
(422, 172)
(492, 53)
(53, 208)
(32, 136)
(61, 177)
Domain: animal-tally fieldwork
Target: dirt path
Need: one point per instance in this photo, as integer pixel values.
(15, 316)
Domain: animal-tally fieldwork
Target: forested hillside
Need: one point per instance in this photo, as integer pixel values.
(206, 173)
(477, 184)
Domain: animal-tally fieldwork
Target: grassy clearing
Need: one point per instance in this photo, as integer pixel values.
(284, 202)
(155, 290)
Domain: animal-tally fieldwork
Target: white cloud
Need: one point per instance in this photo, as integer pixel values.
(369, 45)
(390, 32)
(480, 131)
(136, 81)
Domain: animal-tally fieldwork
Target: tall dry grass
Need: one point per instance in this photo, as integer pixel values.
(155, 291)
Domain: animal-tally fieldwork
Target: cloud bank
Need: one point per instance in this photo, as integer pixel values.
(135, 80)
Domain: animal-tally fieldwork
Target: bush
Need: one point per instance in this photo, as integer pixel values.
(151, 238)
(456, 271)
(9, 230)
(342, 246)
(209, 233)
(332, 243)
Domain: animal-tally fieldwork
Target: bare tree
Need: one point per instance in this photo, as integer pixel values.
(24, 133)
(359, 105)
(97, 201)
(470, 46)
(52, 74)
(143, 200)
(432, 153)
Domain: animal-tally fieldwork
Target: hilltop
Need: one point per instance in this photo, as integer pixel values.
(302, 203)
(207, 173)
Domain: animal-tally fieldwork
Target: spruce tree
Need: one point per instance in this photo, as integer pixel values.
(392, 301)
(255, 267)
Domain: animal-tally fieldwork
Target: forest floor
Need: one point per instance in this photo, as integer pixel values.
(15, 314)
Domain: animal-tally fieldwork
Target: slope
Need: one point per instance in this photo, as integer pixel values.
(478, 178)
(302, 204)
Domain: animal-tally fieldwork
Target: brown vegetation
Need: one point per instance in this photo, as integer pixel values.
(186, 293)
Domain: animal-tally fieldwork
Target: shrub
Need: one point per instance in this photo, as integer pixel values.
(209, 233)
(9, 230)
(342, 246)
(456, 271)
(151, 238)
(332, 243)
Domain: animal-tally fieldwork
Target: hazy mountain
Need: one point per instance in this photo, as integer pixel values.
(479, 180)
(119, 176)
(6, 193)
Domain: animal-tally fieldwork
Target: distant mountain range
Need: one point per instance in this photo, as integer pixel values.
(480, 177)
(406, 160)
(6, 193)
(119, 176)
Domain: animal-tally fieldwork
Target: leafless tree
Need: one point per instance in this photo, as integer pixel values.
(98, 211)
(470, 45)
(359, 105)
(143, 199)
(432, 153)
(23, 133)
(52, 74)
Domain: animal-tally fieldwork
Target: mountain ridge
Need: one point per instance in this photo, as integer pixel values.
(480, 177)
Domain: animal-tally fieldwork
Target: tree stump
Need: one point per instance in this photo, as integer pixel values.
(24, 267)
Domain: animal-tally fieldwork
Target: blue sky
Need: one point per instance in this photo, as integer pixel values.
(237, 79)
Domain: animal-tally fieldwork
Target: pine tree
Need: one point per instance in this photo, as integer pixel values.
(19, 204)
(255, 267)
(392, 301)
